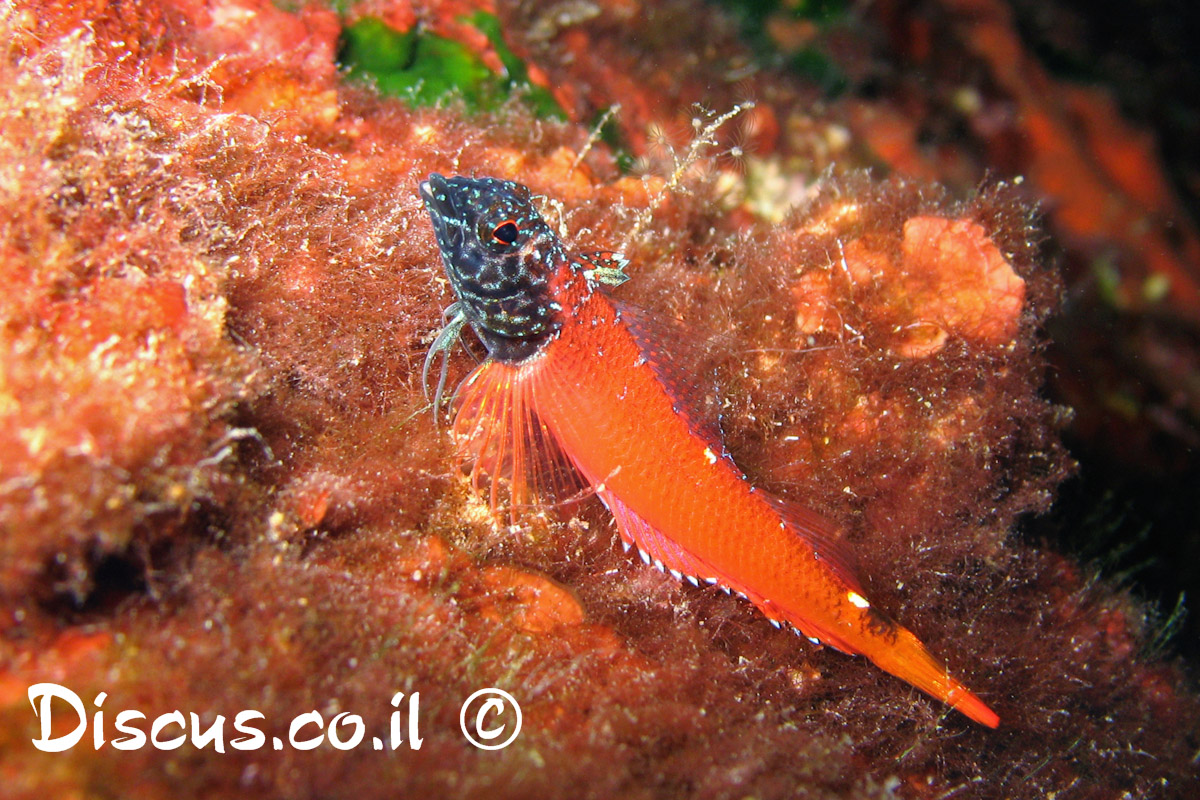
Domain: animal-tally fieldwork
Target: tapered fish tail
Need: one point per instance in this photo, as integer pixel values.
(907, 659)
(889, 645)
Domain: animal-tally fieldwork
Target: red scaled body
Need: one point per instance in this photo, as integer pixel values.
(684, 503)
(597, 391)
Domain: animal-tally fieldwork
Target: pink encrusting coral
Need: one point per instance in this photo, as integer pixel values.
(222, 487)
(949, 279)
(958, 282)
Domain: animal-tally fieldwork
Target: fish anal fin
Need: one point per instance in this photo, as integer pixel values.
(511, 450)
(814, 633)
(657, 548)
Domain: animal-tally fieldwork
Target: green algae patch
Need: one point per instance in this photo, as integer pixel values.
(425, 69)
(538, 97)
(792, 34)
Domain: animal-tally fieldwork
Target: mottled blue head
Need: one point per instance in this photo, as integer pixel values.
(499, 255)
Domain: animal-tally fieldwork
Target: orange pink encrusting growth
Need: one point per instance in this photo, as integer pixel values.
(577, 382)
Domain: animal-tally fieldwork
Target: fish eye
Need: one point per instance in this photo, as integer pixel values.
(506, 232)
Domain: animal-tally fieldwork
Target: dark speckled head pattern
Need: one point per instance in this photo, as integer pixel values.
(499, 255)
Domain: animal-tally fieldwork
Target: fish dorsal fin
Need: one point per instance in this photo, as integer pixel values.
(605, 266)
(497, 428)
(821, 535)
(676, 354)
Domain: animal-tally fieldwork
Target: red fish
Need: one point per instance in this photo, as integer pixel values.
(577, 383)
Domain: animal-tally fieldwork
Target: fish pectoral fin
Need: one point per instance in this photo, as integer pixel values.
(497, 428)
(659, 549)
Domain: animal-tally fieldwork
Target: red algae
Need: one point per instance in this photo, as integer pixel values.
(950, 279)
(989, 100)
(540, 604)
(224, 488)
(114, 359)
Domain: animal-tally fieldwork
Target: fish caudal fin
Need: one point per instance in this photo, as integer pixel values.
(907, 659)
(889, 646)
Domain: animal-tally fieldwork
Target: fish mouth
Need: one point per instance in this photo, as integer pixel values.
(435, 191)
(438, 195)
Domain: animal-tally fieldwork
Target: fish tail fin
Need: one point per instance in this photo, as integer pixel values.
(497, 428)
(907, 659)
(887, 644)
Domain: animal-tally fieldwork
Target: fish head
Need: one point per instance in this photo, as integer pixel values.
(500, 256)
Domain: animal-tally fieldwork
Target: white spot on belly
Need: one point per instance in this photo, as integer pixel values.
(857, 600)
